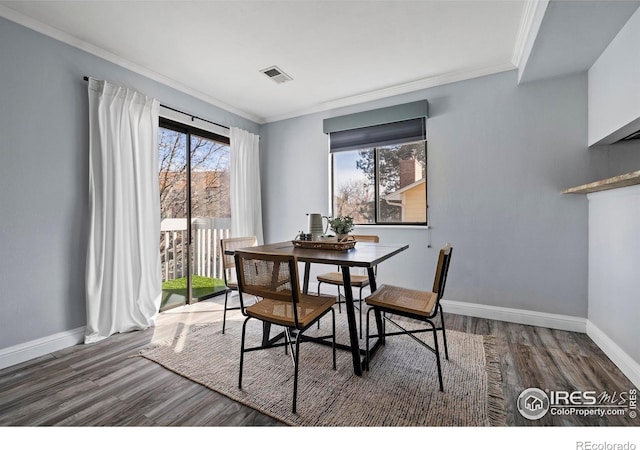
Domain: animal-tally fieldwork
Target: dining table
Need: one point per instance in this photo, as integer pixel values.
(366, 255)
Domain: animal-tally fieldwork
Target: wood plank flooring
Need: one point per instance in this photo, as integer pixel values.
(104, 385)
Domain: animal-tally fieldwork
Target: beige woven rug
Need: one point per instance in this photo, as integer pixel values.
(401, 389)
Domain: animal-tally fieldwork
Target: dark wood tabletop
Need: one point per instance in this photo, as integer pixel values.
(364, 254)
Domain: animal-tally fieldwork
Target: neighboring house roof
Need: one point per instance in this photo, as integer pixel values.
(397, 195)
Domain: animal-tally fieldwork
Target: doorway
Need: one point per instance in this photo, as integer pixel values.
(195, 208)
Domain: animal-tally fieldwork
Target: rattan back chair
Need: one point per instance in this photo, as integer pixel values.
(422, 306)
(357, 280)
(274, 278)
(228, 246)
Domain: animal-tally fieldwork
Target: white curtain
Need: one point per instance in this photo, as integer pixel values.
(123, 272)
(246, 201)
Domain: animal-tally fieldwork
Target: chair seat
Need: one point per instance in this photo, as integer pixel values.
(309, 308)
(419, 303)
(336, 278)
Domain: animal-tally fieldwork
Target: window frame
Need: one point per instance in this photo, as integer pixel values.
(189, 130)
(376, 184)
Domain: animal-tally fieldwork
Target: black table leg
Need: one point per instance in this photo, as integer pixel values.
(305, 283)
(351, 319)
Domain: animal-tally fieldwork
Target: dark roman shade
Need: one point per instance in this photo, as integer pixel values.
(378, 135)
(393, 125)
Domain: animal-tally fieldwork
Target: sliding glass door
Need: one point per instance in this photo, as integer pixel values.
(195, 212)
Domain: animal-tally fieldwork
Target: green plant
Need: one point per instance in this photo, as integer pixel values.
(341, 224)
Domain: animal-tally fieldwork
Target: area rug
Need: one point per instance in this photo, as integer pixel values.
(400, 390)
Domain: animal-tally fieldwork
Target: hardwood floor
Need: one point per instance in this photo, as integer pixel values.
(105, 385)
(549, 360)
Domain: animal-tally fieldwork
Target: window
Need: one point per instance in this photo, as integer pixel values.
(379, 164)
(381, 185)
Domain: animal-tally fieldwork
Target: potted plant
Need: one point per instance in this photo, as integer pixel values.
(341, 225)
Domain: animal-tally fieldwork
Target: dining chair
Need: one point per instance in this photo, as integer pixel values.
(357, 280)
(227, 248)
(274, 278)
(423, 306)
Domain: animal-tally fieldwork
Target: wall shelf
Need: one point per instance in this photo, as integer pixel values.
(628, 179)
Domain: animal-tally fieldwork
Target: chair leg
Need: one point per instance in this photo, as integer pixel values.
(244, 327)
(295, 376)
(360, 311)
(319, 283)
(367, 341)
(224, 314)
(435, 347)
(333, 341)
(339, 307)
(444, 335)
(287, 340)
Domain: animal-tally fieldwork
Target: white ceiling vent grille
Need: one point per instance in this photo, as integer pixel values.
(276, 74)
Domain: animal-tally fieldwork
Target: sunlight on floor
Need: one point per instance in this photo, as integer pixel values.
(172, 325)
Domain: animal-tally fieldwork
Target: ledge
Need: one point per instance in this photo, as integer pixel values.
(628, 179)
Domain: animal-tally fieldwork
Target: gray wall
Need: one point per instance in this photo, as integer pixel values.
(44, 177)
(499, 155)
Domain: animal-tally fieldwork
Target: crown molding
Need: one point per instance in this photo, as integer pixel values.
(68, 39)
(390, 91)
(530, 22)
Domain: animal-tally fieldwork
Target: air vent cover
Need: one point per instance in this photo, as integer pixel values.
(276, 74)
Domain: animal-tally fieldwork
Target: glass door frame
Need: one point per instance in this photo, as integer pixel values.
(189, 131)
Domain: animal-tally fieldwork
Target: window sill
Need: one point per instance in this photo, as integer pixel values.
(403, 227)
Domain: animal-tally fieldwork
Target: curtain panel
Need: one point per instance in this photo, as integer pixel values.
(123, 271)
(246, 199)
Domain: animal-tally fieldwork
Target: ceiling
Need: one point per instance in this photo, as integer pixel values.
(337, 52)
(573, 34)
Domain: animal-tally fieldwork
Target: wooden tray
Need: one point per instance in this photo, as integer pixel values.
(325, 245)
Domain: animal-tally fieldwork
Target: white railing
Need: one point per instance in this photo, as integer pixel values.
(206, 260)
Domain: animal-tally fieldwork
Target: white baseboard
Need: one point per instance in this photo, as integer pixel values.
(620, 358)
(522, 316)
(627, 365)
(40, 347)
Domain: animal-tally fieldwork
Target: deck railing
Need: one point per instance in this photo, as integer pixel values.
(206, 260)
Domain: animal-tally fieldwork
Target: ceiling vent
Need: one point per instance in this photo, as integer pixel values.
(276, 74)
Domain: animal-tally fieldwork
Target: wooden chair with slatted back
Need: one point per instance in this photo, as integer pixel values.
(423, 306)
(227, 248)
(357, 280)
(275, 279)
